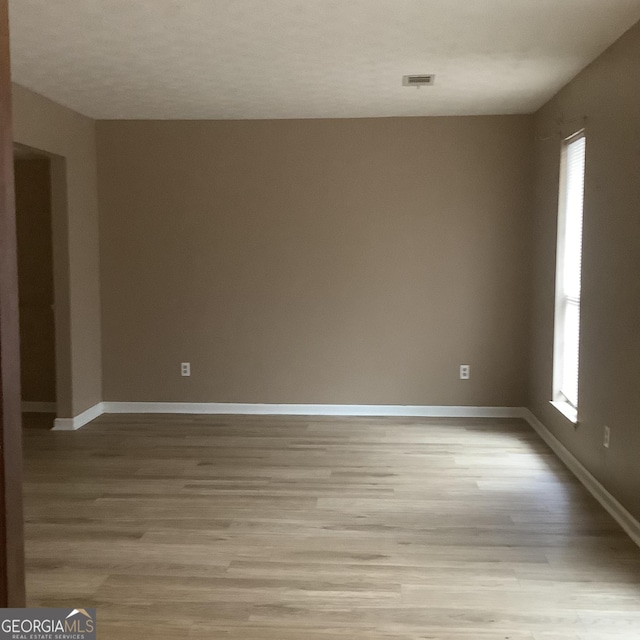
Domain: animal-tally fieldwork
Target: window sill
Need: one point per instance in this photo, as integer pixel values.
(569, 412)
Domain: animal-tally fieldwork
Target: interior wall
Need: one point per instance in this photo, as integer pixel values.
(316, 261)
(604, 100)
(70, 138)
(35, 279)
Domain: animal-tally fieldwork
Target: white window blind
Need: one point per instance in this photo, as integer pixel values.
(569, 263)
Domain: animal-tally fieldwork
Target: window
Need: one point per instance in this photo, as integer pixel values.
(568, 275)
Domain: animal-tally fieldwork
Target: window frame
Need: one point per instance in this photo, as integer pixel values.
(559, 399)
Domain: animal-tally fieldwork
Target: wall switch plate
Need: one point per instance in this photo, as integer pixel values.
(607, 437)
(185, 369)
(465, 371)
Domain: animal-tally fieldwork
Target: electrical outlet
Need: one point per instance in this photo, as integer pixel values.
(465, 371)
(607, 437)
(185, 369)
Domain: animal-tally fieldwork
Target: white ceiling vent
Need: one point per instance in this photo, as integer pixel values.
(422, 80)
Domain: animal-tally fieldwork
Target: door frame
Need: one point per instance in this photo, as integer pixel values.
(12, 584)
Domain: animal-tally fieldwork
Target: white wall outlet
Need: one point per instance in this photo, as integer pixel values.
(465, 371)
(607, 437)
(185, 369)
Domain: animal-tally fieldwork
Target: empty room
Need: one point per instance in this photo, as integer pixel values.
(319, 319)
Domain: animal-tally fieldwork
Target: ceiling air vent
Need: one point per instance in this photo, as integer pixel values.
(422, 80)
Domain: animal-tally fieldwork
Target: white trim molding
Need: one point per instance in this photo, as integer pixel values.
(29, 406)
(615, 509)
(73, 424)
(227, 408)
(569, 412)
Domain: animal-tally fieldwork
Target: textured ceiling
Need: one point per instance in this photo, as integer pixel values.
(191, 59)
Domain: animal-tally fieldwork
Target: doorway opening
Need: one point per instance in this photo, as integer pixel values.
(34, 231)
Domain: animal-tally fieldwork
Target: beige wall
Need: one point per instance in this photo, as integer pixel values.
(328, 261)
(70, 137)
(604, 98)
(35, 274)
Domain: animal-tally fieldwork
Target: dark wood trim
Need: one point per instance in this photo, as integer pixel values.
(12, 590)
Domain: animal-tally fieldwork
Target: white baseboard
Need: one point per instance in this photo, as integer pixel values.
(29, 406)
(224, 408)
(73, 424)
(615, 509)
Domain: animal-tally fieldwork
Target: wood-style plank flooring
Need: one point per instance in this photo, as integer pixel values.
(261, 528)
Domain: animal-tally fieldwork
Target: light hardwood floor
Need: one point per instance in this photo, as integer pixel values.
(260, 528)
